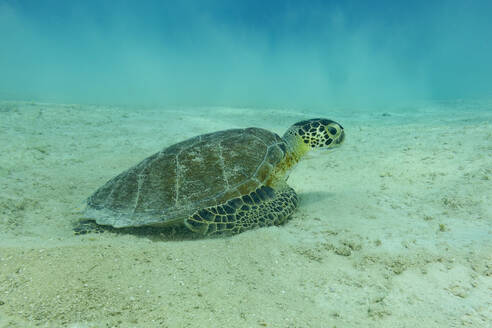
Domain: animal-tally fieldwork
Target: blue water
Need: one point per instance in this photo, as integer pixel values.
(392, 229)
(279, 54)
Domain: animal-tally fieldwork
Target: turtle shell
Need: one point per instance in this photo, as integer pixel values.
(203, 171)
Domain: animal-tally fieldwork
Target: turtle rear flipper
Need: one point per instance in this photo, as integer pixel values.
(83, 227)
(260, 208)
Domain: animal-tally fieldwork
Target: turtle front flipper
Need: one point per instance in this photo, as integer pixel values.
(260, 208)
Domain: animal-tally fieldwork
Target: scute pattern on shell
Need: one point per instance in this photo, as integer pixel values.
(202, 171)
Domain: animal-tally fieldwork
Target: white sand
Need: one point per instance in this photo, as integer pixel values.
(394, 229)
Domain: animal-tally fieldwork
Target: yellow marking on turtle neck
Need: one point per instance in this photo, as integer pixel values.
(294, 154)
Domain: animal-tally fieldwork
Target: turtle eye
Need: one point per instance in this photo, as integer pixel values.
(332, 130)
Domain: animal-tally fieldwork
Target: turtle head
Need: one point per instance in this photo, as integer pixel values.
(315, 133)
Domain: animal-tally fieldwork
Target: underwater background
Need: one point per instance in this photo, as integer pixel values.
(245, 53)
(392, 229)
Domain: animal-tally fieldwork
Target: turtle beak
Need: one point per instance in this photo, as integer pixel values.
(339, 140)
(335, 144)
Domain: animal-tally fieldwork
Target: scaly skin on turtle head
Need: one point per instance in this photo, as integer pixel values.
(300, 138)
(315, 133)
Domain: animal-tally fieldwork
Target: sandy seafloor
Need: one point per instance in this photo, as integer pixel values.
(394, 229)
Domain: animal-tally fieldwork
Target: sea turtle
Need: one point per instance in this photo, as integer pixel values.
(226, 181)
